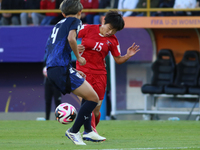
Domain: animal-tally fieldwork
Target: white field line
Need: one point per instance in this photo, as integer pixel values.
(148, 148)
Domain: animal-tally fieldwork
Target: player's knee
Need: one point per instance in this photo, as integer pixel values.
(96, 99)
(93, 97)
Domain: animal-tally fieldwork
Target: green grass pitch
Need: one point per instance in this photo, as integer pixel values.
(121, 135)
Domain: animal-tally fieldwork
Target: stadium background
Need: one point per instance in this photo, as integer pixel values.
(22, 51)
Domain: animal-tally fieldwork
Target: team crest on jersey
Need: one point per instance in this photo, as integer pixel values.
(108, 43)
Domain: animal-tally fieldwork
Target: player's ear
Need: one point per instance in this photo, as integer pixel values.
(79, 13)
(64, 15)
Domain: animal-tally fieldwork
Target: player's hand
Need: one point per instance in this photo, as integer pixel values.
(81, 48)
(81, 61)
(82, 74)
(133, 50)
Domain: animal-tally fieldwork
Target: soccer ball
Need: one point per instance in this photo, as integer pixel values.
(65, 113)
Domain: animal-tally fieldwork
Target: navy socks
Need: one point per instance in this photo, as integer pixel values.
(87, 123)
(84, 116)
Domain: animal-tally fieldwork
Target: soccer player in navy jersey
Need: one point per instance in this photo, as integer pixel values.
(60, 44)
(97, 41)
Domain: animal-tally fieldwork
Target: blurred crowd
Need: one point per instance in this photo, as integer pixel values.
(36, 19)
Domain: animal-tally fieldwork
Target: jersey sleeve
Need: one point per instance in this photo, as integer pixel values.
(76, 24)
(114, 47)
(83, 31)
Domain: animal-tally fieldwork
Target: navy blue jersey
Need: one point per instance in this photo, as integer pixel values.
(58, 49)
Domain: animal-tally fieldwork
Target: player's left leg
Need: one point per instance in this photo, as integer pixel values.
(99, 84)
(97, 114)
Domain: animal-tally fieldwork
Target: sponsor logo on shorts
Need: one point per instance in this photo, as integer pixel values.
(78, 75)
(71, 70)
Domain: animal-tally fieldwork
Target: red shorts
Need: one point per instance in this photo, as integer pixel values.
(98, 82)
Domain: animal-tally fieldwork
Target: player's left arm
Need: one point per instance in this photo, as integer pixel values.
(131, 51)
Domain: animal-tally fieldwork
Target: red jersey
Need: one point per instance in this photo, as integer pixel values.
(96, 49)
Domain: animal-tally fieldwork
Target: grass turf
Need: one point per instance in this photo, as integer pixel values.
(121, 135)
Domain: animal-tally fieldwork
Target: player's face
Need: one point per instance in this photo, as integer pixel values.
(107, 30)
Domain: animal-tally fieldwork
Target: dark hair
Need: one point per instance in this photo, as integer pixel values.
(71, 7)
(115, 20)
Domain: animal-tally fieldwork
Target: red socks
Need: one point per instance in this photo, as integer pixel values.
(93, 124)
(95, 121)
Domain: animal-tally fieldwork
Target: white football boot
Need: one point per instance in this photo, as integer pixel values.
(75, 137)
(93, 136)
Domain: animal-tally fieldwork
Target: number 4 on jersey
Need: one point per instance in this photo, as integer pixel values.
(54, 34)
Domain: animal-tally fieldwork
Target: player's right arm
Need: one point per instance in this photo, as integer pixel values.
(73, 44)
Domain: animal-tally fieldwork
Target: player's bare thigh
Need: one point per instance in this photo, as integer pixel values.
(87, 92)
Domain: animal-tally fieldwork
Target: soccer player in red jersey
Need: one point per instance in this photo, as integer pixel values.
(97, 41)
